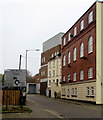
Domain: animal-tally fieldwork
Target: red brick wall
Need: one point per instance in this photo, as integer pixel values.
(80, 64)
(47, 54)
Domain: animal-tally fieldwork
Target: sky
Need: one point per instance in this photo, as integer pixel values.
(26, 24)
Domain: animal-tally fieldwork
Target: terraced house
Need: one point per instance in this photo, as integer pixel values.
(82, 60)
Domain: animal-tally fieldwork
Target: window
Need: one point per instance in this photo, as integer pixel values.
(54, 81)
(64, 41)
(64, 78)
(44, 59)
(68, 57)
(75, 91)
(53, 73)
(68, 92)
(64, 60)
(74, 76)
(49, 73)
(90, 73)
(74, 54)
(81, 49)
(63, 92)
(90, 44)
(81, 75)
(88, 91)
(49, 81)
(72, 91)
(68, 77)
(69, 36)
(75, 31)
(90, 17)
(49, 64)
(52, 55)
(53, 63)
(82, 25)
(92, 91)
(55, 53)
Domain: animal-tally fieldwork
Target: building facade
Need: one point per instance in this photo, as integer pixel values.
(50, 48)
(81, 73)
(54, 75)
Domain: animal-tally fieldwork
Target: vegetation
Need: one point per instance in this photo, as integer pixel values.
(16, 109)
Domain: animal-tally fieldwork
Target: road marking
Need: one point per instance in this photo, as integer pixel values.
(54, 113)
(32, 101)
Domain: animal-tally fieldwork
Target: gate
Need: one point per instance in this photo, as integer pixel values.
(12, 96)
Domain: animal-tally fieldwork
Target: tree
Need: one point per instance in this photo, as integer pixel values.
(29, 77)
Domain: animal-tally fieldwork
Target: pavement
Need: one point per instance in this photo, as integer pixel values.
(37, 112)
(44, 107)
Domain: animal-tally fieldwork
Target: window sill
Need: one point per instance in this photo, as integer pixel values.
(73, 95)
(89, 53)
(89, 96)
(69, 65)
(63, 95)
(74, 60)
(82, 30)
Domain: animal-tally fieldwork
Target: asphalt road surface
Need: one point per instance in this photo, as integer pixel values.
(65, 108)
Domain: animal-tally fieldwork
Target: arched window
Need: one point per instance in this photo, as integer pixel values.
(90, 17)
(81, 49)
(90, 44)
(68, 57)
(64, 60)
(74, 54)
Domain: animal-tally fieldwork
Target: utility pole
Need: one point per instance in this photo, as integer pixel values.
(20, 62)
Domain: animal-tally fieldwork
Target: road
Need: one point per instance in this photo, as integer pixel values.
(66, 109)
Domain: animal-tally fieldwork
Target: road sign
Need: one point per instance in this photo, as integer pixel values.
(15, 78)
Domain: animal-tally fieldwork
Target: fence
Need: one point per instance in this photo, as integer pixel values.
(12, 96)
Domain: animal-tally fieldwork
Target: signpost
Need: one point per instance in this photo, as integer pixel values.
(15, 79)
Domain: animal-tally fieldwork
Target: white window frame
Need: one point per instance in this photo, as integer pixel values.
(88, 91)
(64, 60)
(68, 92)
(92, 91)
(44, 59)
(90, 73)
(52, 55)
(75, 31)
(90, 44)
(73, 91)
(49, 81)
(90, 17)
(69, 57)
(64, 78)
(74, 54)
(81, 25)
(49, 73)
(74, 76)
(69, 36)
(82, 75)
(54, 63)
(53, 73)
(81, 49)
(68, 77)
(64, 41)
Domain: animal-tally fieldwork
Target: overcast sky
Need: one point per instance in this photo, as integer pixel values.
(26, 24)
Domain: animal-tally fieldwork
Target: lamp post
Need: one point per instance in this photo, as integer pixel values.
(26, 56)
(26, 61)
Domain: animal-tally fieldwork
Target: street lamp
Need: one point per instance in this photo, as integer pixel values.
(26, 56)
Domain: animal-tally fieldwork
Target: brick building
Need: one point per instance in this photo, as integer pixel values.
(81, 57)
(50, 48)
